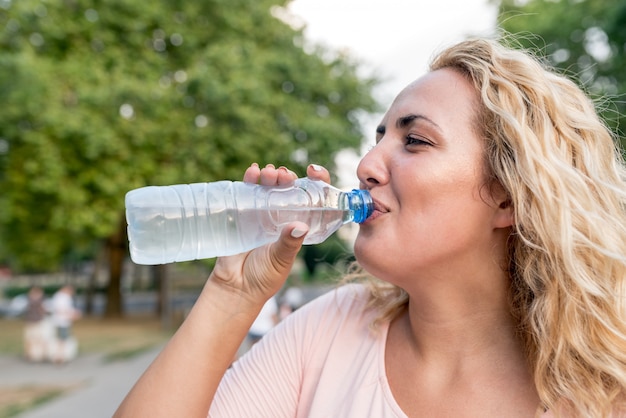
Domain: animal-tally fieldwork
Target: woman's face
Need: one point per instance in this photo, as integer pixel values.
(427, 178)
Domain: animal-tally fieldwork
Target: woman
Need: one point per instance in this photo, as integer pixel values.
(35, 330)
(497, 255)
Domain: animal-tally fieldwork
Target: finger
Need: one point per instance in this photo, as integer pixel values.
(283, 253)
(269, 175)
(318, 172)
(286, 176)
(252, 173)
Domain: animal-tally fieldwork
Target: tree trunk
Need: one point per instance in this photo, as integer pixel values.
(156, 274)
(164, 297)
(116, 250)
(91, 282)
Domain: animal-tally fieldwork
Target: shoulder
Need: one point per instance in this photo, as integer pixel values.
(339, 314)
(342, 300)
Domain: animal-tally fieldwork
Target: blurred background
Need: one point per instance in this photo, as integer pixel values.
(100, 97)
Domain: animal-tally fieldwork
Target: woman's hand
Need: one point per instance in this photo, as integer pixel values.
(260, 273)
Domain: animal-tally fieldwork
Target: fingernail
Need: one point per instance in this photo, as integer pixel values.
(316, 167)
(297, 232)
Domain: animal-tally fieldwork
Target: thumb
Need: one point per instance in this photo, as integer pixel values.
(284, 251)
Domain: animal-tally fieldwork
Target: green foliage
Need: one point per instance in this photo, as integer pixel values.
(331, 253)
(100, 97)
(584, 38)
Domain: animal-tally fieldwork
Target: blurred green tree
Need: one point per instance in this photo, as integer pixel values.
(584, 38)
(100, 97)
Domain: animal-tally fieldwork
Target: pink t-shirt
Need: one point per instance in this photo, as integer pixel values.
(321, 361)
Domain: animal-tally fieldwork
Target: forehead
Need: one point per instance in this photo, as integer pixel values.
(444, 96)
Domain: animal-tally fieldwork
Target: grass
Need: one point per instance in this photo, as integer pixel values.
(14, 401)
(116, 340)
(110, 337)
(119, 338)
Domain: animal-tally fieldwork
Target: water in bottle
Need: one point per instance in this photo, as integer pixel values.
(204, 220)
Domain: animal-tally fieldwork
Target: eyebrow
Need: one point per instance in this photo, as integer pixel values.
(405, 121)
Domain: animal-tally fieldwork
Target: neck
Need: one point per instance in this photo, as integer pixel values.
(456, 320)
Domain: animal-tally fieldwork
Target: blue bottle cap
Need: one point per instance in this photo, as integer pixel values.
(361, 205)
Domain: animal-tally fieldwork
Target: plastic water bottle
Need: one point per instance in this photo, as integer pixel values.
(195, 221)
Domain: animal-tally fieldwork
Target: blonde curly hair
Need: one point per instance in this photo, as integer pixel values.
(560, 165)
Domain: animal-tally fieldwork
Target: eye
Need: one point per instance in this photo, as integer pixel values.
(413, 140)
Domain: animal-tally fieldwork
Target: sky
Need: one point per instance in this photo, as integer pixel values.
(394, 39)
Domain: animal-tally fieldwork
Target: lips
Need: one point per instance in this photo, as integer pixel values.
(379, 210)
(379, 206)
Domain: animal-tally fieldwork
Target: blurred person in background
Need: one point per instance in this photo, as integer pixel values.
(494, 269)
(35, 332)
(63, 316)
(291, 300)
(264, 322)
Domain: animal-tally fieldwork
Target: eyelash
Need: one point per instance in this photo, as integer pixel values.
(411, 140)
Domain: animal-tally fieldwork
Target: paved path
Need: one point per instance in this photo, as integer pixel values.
(98, 386)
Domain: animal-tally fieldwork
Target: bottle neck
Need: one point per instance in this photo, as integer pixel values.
(360, 204)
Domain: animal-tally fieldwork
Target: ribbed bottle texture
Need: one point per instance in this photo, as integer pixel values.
(204, 220)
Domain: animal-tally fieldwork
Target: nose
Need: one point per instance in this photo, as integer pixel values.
(373, 167)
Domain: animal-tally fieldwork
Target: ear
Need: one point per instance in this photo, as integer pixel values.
(504, 215)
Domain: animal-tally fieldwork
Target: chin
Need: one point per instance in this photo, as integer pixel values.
(378, 261)
(358, 248)
(366, 255)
